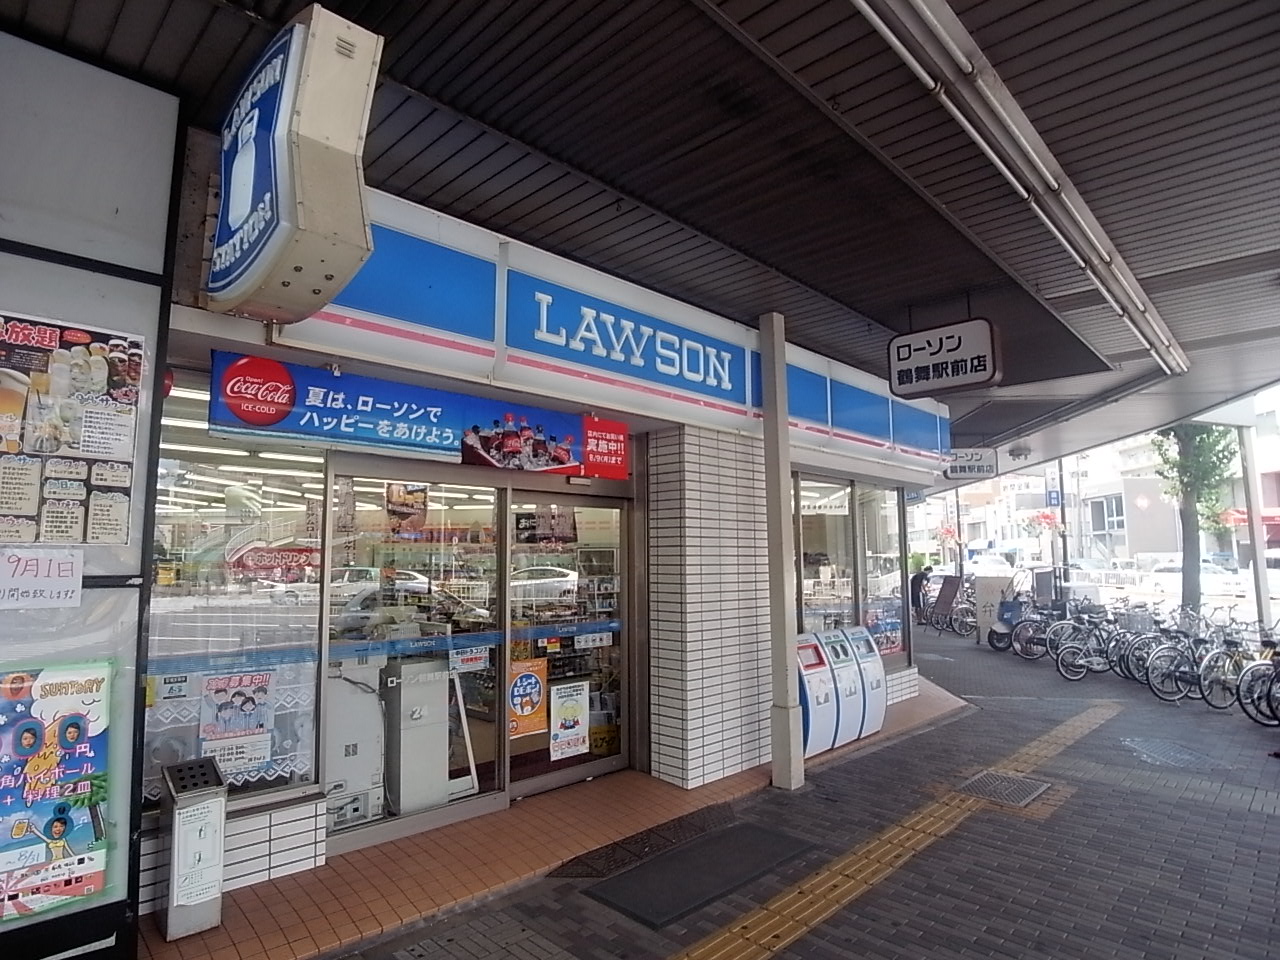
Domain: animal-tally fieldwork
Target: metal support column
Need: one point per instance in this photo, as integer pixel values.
(1064, 572)
(1257, 531)
(784, 718)
(960, 539)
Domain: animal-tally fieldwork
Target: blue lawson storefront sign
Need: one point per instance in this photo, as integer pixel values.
(254, 211)
(554, 321)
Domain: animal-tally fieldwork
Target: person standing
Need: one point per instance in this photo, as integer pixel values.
(918, 580)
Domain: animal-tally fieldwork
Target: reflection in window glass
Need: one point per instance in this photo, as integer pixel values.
(566, 634)
(414, 649)
(880, 572)
(234, 621)
(826, 544)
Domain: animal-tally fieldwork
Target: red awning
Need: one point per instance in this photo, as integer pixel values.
(1236, 517)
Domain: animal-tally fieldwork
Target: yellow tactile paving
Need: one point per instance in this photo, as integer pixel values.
(773, 927)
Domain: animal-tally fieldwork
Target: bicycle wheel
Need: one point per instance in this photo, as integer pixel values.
(999, 640)
(1059, 634)
(1251, 693)
(1028, 639)
(1071, 662)
(1166, 673)
(964, 621)
(1219, 676)
(1273, 695)
(1139, 653)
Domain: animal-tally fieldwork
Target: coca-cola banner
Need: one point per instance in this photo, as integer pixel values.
(256, 395)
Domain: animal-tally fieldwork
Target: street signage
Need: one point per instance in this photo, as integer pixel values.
(941, 359)
(1052, 498)
(972, 463)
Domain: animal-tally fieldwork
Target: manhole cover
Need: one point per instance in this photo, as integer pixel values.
(1168, 753)
(1003, 788)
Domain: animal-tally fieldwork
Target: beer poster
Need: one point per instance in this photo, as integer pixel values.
(68, 420)
(527, 697)
(53, 786)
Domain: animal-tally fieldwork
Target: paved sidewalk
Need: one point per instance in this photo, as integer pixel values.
(1156, 839)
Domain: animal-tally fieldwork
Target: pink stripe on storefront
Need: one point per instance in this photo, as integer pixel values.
(372, 326)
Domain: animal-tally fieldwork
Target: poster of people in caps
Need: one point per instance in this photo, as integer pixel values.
(53, 786)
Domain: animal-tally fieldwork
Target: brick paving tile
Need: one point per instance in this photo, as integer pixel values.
(1139, 861)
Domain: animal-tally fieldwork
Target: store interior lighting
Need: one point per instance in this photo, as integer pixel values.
(184, 424)
(187, 393)
(293, 457)
(194, 448)
(269, 471)
(1027, 166)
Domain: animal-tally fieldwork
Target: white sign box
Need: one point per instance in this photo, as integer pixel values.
(974, 463)
(955, 357)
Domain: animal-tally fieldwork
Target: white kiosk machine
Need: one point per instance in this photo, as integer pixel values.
(850, 705)
(875, 693)
(817, 695)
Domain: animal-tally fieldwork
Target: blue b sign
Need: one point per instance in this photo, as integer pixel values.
(254, 209)
(1053, 498)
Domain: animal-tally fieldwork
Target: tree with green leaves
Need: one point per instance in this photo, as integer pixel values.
(92, 800)
(1196, 460)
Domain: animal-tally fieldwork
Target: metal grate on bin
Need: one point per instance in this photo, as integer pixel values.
(200, 774)
(1003, 788)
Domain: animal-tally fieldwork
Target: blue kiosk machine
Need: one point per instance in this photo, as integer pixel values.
(843, 695)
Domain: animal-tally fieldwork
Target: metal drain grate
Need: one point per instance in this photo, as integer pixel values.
(1169, 753)
(1003, 788)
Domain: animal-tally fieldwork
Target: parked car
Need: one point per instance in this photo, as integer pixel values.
(345, 582)
(368, 607)
(1214, 581)
(543, 583)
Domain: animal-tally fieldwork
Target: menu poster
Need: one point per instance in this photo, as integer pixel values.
(68, 420)
(53, 786)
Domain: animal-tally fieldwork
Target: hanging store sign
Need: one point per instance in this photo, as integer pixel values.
(974, 463)
(292, 225)
(958, 356)
(255, 395)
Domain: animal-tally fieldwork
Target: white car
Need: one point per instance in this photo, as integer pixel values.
(1214, 580)
(344, 583)
(543, 583)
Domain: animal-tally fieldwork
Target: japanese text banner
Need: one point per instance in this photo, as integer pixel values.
(256, 395)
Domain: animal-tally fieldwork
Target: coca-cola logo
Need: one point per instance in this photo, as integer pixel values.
(259, 391)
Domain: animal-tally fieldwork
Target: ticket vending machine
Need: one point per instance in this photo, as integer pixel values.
(817, 695)
(850, 702)
(875, 692)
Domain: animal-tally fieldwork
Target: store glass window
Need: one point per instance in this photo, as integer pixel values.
(566, 637)
(826, 555)
(411, 686)
(235, 604)
(880, 566)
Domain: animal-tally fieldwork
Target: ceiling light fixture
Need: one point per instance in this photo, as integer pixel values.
(268, 471)
(187, 393)
(292, 457)
(189, 448)
(184, 424)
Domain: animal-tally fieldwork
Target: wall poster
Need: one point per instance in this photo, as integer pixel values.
(237, 717)
(68, 418)
(527, 697)
(53, 786)
(569, 703)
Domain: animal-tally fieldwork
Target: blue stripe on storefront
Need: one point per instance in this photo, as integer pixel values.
(350, 649)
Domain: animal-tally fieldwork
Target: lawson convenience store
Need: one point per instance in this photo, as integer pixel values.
(547, 480)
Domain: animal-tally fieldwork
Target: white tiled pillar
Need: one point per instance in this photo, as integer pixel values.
(709, 605)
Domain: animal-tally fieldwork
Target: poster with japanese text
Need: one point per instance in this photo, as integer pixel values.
(527, 697)
(260, 395)
(237, 718)
(569, 713)
(68, 418)
(53, 786)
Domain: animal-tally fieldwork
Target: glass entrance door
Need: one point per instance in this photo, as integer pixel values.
(415, 647)
(565, 685)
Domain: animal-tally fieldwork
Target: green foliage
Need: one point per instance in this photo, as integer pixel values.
(1196, 459)
(917, 562)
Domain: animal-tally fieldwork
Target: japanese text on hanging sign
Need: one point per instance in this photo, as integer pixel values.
(960, 355)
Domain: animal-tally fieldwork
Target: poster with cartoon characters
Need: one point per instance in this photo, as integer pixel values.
(237, 717)
(569, 703)
(53, 786)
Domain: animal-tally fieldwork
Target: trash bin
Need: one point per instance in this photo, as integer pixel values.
(193, 815)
